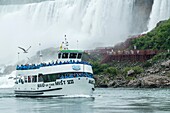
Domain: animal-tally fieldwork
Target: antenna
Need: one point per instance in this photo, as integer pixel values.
(66, 43)
(77, 44)
(18, 56)
(40, 55)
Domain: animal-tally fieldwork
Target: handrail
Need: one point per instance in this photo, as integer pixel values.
(38, 66)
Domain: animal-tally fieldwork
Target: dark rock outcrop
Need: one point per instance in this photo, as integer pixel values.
(152, 81)
(105, 81)
(141, 13)
(155, 81)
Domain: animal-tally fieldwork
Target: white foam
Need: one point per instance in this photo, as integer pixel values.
(5, 82)
(160, 11)
(78, 96)
(103, 22)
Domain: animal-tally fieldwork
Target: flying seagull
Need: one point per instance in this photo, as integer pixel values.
(25, 50)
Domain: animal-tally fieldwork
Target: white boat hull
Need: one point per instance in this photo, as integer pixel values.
(80, 86)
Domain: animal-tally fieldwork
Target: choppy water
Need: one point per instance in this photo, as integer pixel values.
(106, 101)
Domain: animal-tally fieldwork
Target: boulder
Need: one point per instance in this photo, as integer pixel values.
(134, 83)
(118, 83)
(155, 81)
(130, 72)
(166, 64)
(153, 71)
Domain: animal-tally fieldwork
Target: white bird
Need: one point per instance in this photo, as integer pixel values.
(25, 50)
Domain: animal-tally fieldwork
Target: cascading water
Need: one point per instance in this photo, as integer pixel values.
(103, 22)
(92, 22)
(8, 80)
(160, 11)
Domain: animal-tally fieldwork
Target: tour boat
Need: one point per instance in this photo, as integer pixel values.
(67, 76)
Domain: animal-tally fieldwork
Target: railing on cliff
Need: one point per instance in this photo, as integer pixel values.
(130, 55)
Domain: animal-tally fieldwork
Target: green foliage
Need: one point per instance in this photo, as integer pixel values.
(130, 78)
(111, 71)
(157, 39)
(125, 70)
(98, 68)
(147, 64)
(103, 69)
(159, 57)
(137, 70)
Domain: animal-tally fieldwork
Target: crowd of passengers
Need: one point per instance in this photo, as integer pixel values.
(47, 78)
(76, 75)
(34, 66)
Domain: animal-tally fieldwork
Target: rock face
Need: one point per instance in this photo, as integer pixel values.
(134, 83)
(152, 81)
(130, 72)
(166, 64)
(105, 81)
(155, 81)
(155, 76)
(142, 11)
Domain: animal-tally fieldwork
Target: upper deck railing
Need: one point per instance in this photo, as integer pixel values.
(38, 66)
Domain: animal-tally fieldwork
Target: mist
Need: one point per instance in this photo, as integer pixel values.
(94, 23)
(87, 21)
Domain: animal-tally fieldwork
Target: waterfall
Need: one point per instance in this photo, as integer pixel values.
(8, 80)
(92, 22)
(160, 11)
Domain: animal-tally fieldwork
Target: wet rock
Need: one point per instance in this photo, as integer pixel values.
(167, 69)
(130, 72)
(166, 64)
(119, 83)
(155, 81)
(153, 70)
(134, 83)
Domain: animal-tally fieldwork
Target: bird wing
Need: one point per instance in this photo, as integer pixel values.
(28, 48)
(22, 49)
(28, 58)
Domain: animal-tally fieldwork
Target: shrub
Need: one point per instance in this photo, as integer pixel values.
(111, 71)
(147, 64)
(157, 39)
(137, 69)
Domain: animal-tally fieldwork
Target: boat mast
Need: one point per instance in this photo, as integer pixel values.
(77, 44)
(18, 57)
(66, 43)
(40, 55)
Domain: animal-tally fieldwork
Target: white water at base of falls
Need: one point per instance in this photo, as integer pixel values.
(92, 22)
(160, 11)
(6, 81)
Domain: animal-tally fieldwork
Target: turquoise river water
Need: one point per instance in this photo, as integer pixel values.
(119, 100)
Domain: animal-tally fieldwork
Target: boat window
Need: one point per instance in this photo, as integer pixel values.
(21, 81)
(65, 55)
(51, 77)
(34, 78)
(54, 77)
(40, 78)
(25, 79)
(46, 78)
(29, 79)
(73, 55)
(59, 55)
(79, 56)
